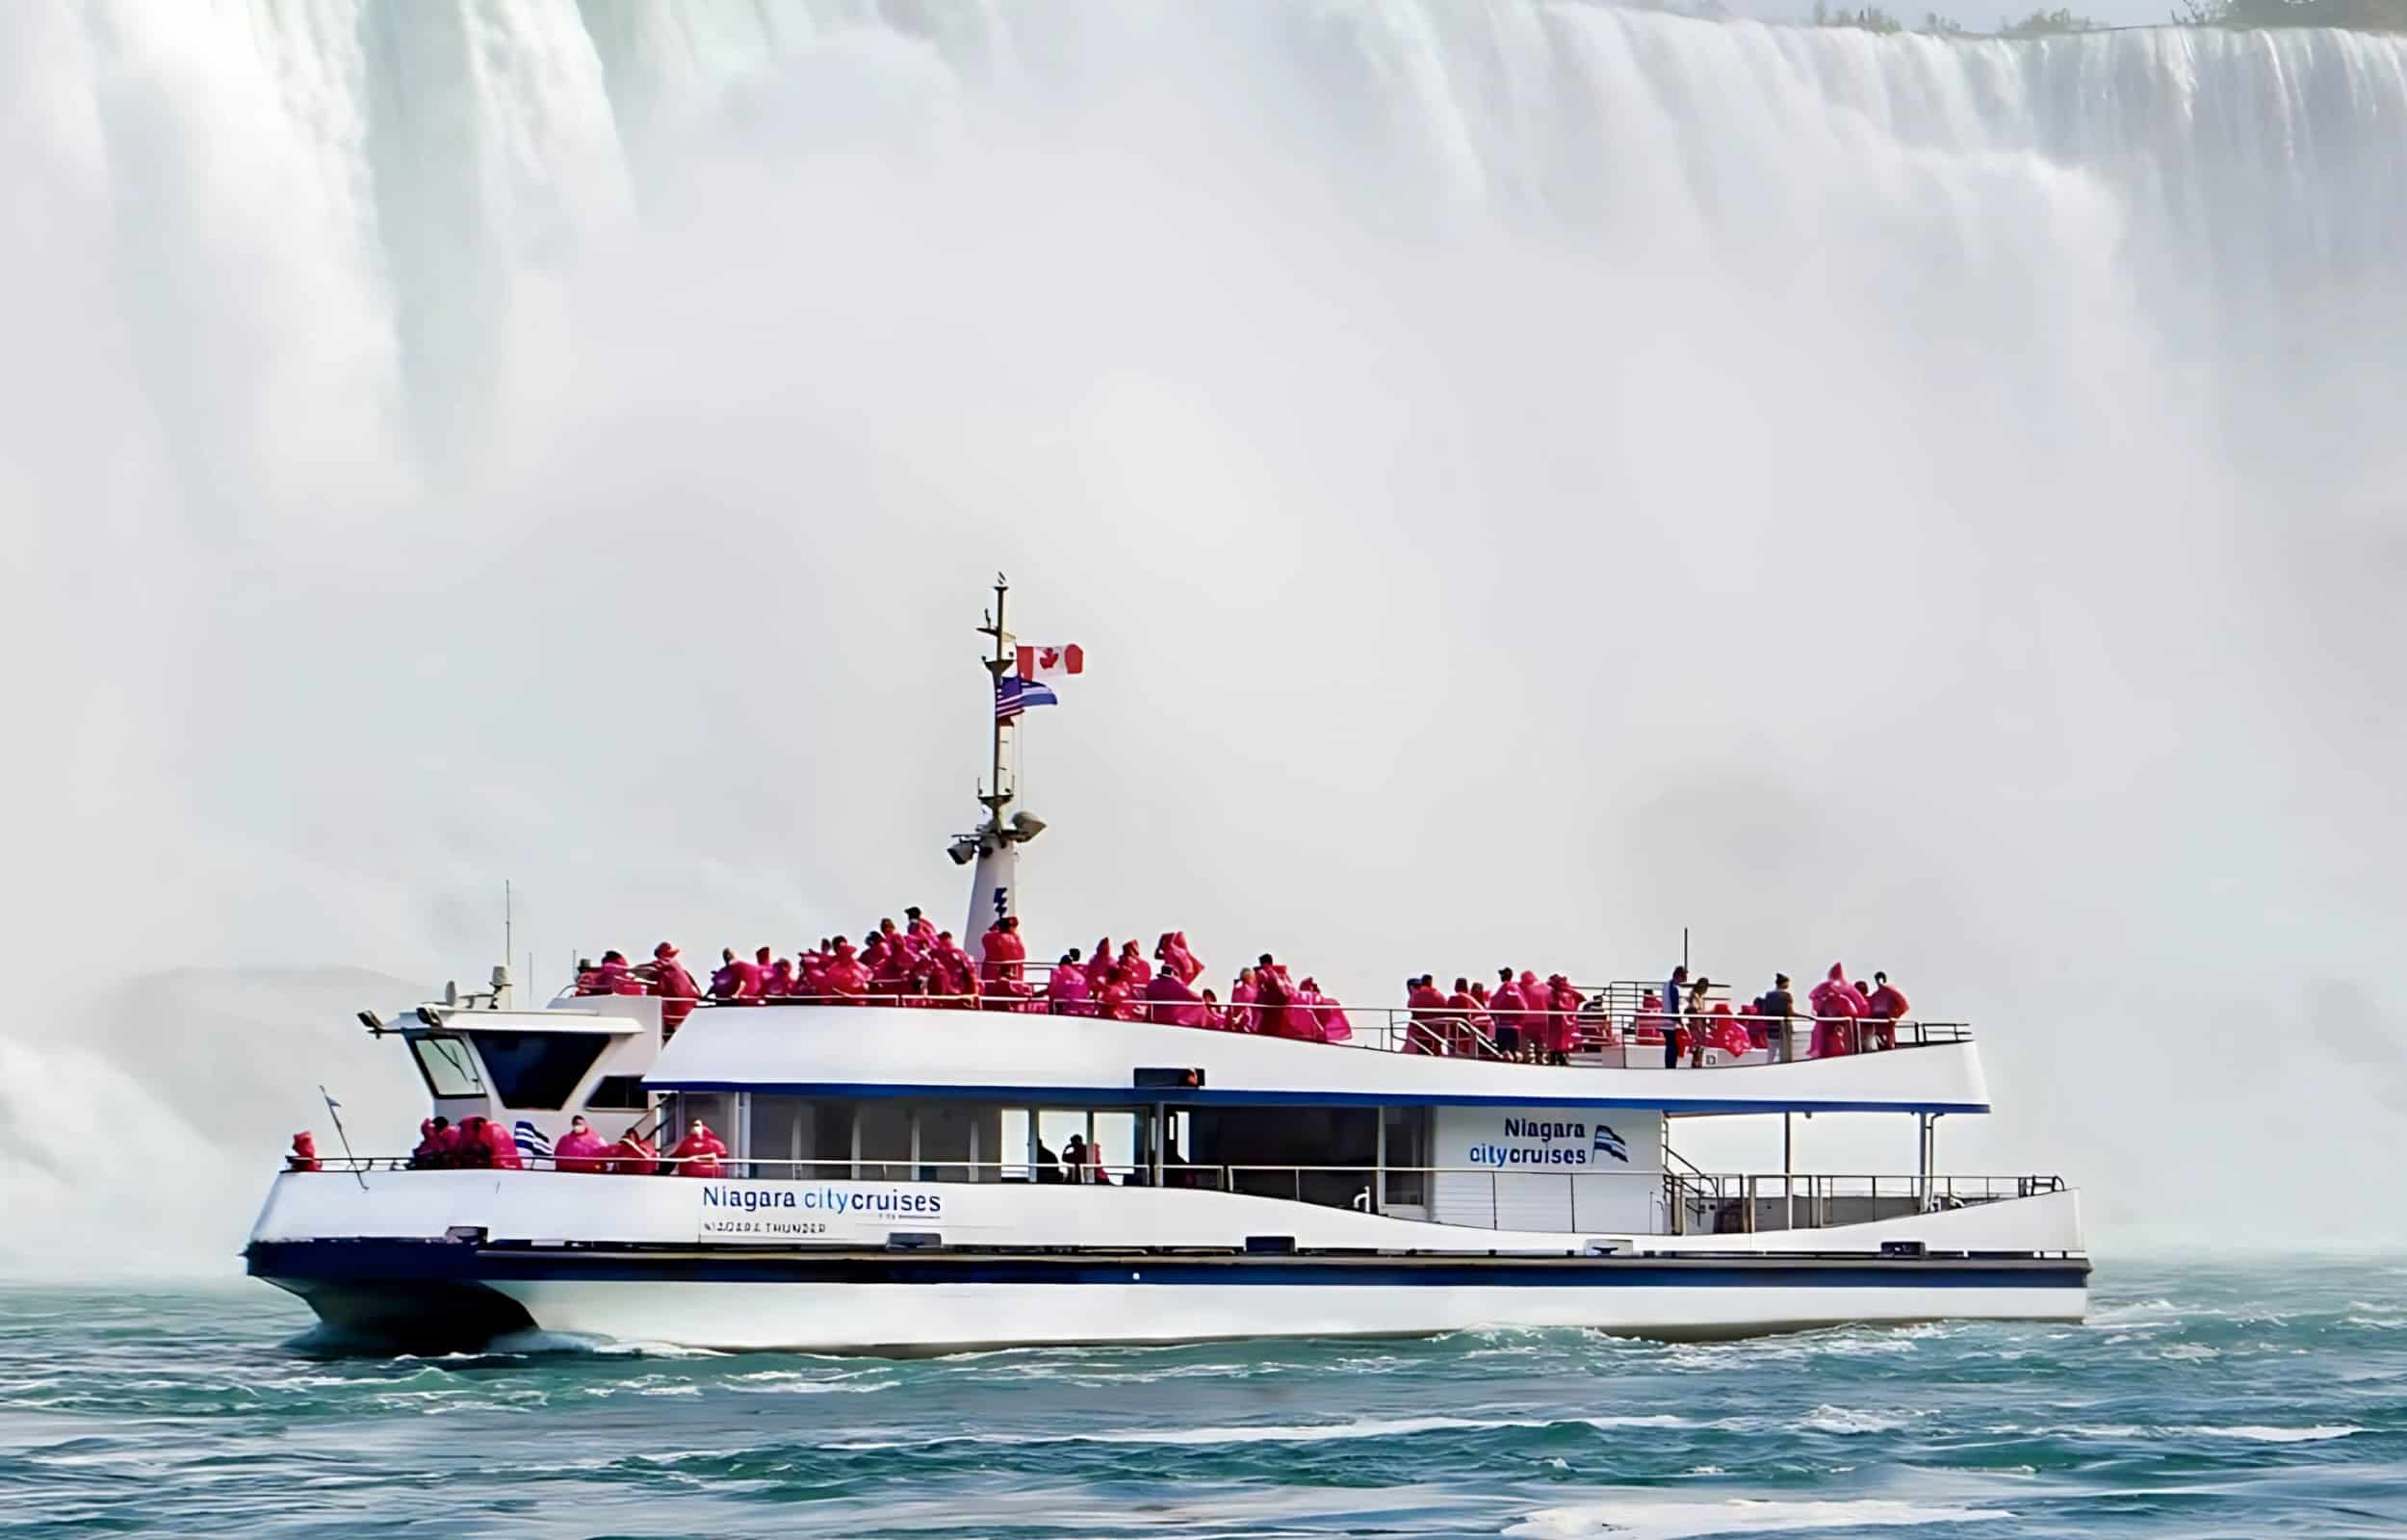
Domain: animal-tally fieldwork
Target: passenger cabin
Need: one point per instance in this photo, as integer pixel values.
(893, 1093)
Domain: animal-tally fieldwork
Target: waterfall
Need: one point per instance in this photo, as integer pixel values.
(1556, 470)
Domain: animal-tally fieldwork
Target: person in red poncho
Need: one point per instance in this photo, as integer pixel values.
(777, 982)
(581, 1149)
(1837, 1006)
(1132, 963)
(1884, 1009)
(1002, 953)
(634, 1156)
(951, 974)
(503, 1148)
(668, 979)
(845, 980)
(1099, 966)
(1116, 998)
(434, 1146)
(1327, 1016)
(1464, 1012)
(470, 1150)
(1172, 951)
(1241, 1016)
(918, 927)
(305, 1156)
(1562, 1012)
(1511, 1010)
(1173, 1001)
(1067, 992)
(700, 1154)
(1426, 1032)
(1725, 1031)
(735, 978)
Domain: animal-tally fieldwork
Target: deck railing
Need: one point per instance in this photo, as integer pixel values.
(1691, 1201)
(1611, 1034)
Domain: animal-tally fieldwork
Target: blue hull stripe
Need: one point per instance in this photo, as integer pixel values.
(1131, 1097)
(398, 1262)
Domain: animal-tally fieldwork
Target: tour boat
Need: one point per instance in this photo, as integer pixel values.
(888, 1186)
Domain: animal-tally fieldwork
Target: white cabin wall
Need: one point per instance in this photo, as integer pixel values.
(1548, 1168)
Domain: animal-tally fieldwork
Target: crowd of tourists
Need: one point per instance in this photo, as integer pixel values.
(1521, 1016)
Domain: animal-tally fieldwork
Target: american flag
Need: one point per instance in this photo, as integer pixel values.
(1014, 695)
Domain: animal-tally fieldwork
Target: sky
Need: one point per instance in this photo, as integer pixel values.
(1527, 480)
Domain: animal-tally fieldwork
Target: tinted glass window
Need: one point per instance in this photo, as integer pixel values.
(537, 1068)
(619, 1094)
(451, 1070)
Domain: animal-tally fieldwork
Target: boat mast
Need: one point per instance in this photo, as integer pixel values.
(994, 844)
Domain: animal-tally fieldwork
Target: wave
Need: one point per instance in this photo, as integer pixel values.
(1273, 1432)
(1681, 1521)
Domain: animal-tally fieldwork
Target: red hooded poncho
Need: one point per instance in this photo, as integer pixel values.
(1066, 991)
(581, 1149)
(1836, 1004)
(305, 1156)
(700, 1154)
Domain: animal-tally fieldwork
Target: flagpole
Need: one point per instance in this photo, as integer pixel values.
(997, 797)
(334, 1111)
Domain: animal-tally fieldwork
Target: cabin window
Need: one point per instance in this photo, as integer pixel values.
(538, 1069)
(619, 1094)
(1408, 1155)
(1284, 1151)
(450, 1068)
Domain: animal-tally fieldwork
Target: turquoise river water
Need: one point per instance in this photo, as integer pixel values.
(2200, 1399)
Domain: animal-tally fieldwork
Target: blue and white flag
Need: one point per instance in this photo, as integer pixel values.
(532, 1142)
(1607, 1143)
(1014, 695)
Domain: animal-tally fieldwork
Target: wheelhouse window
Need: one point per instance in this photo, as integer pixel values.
(538, 1069)
(449, 1067)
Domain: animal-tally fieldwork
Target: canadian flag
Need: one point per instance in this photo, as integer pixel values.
(1039, 663)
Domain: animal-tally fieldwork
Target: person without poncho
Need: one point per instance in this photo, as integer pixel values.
(1174, 1002)
(675, 986)
(1066, 991)
(581, 1149)
(305, 1156)
(699, 1153)
(1837, 1005)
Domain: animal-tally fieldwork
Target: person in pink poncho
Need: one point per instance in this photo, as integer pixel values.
(845, 979)
(1099, 967)
(1132, 963)
(503, 1148)
(1065, 990)
(1173, 1001)
(1837, 1006)
(1426, 1031)
(1241, 1016)
(581, 1149)
(1327, 1013)
(1884, 1009)
(1172, 951)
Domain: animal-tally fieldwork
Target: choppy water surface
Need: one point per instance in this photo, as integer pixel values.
(2199, 1400)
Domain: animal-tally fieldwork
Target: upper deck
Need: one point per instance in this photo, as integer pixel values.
(870, 1052)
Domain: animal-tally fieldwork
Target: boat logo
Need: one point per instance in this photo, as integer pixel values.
(1609, 1143)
